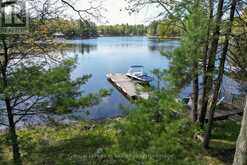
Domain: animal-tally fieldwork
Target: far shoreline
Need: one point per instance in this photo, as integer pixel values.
(101, 36)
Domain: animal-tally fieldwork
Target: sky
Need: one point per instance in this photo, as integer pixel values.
(116, 14)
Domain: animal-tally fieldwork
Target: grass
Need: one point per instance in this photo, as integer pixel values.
(228, 130)
(63, 145)
(223, 143)
(95, 143)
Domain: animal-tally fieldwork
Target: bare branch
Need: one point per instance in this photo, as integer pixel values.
(94, 11)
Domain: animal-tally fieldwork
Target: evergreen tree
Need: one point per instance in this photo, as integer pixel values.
(33, 80)
(221, 72)
(186, 59)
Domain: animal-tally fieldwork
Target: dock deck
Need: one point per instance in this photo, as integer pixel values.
(127, 86)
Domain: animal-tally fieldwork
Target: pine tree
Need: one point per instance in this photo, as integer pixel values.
(221, 72)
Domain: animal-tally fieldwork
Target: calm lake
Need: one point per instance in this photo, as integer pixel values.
(114, 55)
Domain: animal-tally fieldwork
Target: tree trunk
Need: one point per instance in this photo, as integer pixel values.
(240, 157)
(208, 76)
(13, 135)
(205, 60)
(195, 94)
(207, 41)
(12, 129)
(220, 75)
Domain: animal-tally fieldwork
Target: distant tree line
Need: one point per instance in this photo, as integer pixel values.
(122, 30)
(71, 28)
(164, 29)
(86, 29)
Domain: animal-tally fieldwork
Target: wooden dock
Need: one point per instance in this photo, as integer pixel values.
(127, 86)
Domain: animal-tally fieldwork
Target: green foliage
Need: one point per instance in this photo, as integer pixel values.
(54, 86)
(163, 29)
(227, 130)
(70, 28)
(86, 29)
(238, 58)
(155, 132)
(35, 79)
(238, 47)
(121, 30)
(104, 92)
(152, 28)
(66, 144)
(196, 30)
(157, 128)
(158, 75)
(179, 72)
(78, 28)
(191, 49)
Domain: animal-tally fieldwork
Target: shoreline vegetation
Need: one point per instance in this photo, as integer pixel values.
(148, 36)
(164, 37)
(101, 141)
(169, 138)
(74, 29)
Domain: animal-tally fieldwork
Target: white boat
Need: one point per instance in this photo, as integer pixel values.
(137, 72)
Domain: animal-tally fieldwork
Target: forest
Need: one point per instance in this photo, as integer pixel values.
(209, 127)
(164, 29)
(71, 28)
(82, 29)
(122, 30)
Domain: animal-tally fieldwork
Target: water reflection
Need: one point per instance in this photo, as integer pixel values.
(162, 45)
(86, 48)
(80, 48)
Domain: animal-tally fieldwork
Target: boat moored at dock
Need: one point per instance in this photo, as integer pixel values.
(137, 72)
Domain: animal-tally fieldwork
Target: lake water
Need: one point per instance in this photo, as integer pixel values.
(114, 55)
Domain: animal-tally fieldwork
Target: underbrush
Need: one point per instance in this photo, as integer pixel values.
(155, 132)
